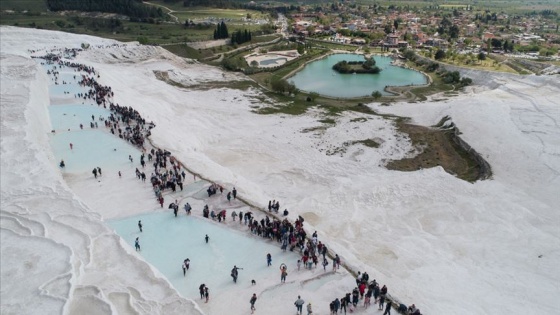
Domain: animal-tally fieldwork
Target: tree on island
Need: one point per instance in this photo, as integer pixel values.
(367, 66)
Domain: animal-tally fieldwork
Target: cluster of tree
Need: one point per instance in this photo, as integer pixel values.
(496, 43)
(533, 48)
(198, 26)
(440, 54)
(409, 54)
(454, 77)
(367, 66)
(283, 86)
(432, 66)
(221, 31)
(234, 64)
(485, 18)
(131, 8)
(446, 27)
(547, 13)
(240, 37)
(223, 4)
(347, 32)
(93, 23)
(209, 3)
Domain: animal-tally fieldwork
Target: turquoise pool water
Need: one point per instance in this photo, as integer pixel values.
(166, 241)
(93, 148)
(64, 117)
(319, 77)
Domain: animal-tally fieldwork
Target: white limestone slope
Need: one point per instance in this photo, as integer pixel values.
(57, 255)
(450, 246)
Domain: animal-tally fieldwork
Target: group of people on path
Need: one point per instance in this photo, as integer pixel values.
(299, 306)
(127, 121)
(131, 127)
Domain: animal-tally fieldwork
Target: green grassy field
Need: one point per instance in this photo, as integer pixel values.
(200, 13)
(453, 6)
(203, 13)
(129, 31)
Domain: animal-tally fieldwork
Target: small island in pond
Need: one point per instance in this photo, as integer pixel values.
(367, 66)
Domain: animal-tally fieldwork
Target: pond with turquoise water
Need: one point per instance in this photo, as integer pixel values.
(319, 77)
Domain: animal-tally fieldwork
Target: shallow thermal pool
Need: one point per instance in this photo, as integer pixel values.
(166, 241)
(64, 117)
(93, 148)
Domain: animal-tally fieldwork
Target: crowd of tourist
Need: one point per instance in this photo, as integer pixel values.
(168, 175)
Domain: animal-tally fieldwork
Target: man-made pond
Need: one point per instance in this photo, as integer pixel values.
(273, 61)
(319, 77)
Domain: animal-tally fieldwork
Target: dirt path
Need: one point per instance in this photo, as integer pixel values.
(168, 9)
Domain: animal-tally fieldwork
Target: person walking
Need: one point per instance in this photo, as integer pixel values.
(268, 259)
(187, 208)
(381, 301)
(299, 304)
(184, 269)
(343, 304)
(140, 225)
(206, 238)
(252, 301)
(336, 262)
(387, 309)
(201, 290)
(309, 309)
(206, 294)
(283, 274)
(137, 243)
